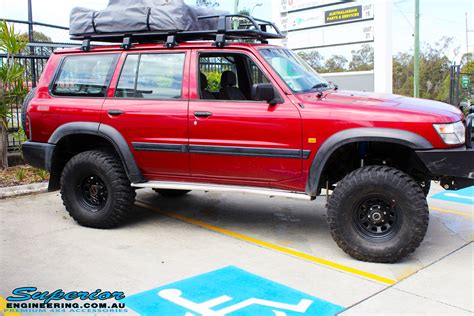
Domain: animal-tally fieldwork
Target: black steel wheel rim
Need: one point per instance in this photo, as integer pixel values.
(92, 193)
(377, 218)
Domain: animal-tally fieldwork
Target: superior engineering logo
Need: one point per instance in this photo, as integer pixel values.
(29, 299)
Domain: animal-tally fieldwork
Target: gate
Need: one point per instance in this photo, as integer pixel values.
(34, 60)
(461, 88)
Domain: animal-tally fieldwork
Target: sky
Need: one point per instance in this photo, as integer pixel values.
(438, 18)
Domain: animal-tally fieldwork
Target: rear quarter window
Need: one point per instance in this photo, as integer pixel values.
(84, 76)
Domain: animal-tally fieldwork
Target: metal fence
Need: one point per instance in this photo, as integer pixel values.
(221, 64)
(33, 59)
(214, 64)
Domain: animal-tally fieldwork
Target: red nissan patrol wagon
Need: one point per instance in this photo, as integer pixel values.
(168, 112)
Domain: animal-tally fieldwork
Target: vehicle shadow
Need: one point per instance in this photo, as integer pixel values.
(294, 223)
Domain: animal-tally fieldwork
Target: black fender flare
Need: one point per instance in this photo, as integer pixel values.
(102, 130)
(354, 135)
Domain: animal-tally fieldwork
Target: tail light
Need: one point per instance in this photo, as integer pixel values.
(28, 127)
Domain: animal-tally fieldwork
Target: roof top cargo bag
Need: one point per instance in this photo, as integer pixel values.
(141, 16)
(209, 24)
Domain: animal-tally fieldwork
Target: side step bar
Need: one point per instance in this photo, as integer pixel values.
(220, 188)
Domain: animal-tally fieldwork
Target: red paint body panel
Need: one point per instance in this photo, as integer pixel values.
(243, 124)
(43, 120)
(238, 124)
(152, 121)
(337, 111)
(260, 126)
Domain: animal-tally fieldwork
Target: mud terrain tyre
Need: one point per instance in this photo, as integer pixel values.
(24, 107)
(171, 193)
(378, 214)
(95, 189)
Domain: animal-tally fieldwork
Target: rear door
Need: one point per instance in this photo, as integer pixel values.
(241, 140)
(149, 107)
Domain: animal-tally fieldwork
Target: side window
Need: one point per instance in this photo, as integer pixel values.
(152, 76)
(85, 76)
(212, 67)
(228, 76)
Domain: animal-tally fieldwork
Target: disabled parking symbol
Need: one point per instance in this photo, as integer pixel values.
(465, 196)
(228, 291)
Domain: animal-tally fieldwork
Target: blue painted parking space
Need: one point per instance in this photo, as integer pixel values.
(464, 196)
(228, 291)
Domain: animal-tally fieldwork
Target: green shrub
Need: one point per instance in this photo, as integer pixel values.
(43, 174)
(213, 81)
(20, 174)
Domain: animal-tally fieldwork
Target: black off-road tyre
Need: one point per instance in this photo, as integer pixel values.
(378, 214)
(24, 107)
(171, 193)
(96, 191)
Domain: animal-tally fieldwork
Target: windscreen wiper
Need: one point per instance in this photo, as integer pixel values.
(318, 86)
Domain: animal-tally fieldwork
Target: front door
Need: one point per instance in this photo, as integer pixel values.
(149, 107)
(233, 137)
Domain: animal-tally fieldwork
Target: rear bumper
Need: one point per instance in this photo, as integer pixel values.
(455, 165)
(38, 154)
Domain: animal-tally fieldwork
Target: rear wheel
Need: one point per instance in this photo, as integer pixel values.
(171, 193)
(378, 214)
(95, 190)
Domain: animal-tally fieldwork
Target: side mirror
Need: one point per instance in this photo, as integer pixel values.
(264, 92)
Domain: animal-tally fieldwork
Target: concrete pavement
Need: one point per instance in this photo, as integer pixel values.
(279, 239)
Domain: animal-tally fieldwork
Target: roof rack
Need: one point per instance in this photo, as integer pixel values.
(229, 27)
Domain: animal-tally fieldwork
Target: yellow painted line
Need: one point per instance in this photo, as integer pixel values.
(442, 210)
(271, 246)
(3, 307)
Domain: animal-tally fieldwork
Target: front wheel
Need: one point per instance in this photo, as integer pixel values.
(95, 189)
(378, 214)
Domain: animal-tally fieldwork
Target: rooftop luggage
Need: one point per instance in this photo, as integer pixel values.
(121, 16)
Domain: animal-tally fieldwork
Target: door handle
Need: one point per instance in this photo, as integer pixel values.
(202, 114)
(115, 112)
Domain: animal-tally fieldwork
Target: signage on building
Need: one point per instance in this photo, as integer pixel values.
(362, 32)
(344, 14)
(292, 5)
(313, 18)
(314, 24)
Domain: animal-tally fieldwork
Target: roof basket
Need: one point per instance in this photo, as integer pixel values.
(229, 27)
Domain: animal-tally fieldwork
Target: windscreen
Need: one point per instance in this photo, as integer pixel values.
(296, 73)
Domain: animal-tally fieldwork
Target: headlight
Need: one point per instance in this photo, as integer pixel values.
(452, 134)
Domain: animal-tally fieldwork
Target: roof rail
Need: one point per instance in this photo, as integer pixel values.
(229, 27)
